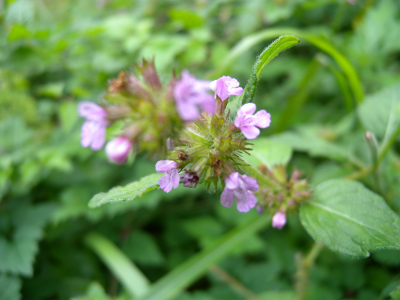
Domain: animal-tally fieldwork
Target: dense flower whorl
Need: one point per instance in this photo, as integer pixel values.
(118, 149)
(248, 123)
(279, 220)
(190, 94)
(241, 188)
(225, 87)
(94, 129)
(171, 179)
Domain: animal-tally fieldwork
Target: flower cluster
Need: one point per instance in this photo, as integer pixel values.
(283, 197)
(141, 110)
(190, 122)
(209, 149)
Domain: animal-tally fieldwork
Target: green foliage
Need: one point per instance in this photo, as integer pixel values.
(126, 193)
(348, 218)
(10, 287)
(55, 54)
(176, 281)
(269, 153)
(22, 228)
(133, 279)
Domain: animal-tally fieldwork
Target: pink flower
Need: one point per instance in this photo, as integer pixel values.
(94, 129)
(240, 187)
(279, 220)
(190, 95)
(247, 122)
(225, 87)
(171, 179)
(118, 149)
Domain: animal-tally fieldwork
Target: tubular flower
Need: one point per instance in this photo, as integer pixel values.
(94, 129)
(248, 123)
(118, 149)
(239, 187)
(171, 179)
(225, 87)
(279, 220)
(190, 94)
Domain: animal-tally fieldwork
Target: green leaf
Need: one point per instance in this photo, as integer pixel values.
(187, 273)
(126, 193)
(268, 152)
(24, 224)
(380, 114)
(251, 40)
(141, 247)
(349, 218)
(315, 145)
(129, 275)
(282, 43)
(9, 287)
(395, 294)
(20, 12)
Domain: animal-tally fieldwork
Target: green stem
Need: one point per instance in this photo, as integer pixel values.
(233, 283)
(304, 266)
(386, 145)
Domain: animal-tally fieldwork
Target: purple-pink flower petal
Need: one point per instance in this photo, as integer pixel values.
(92, 112)
(263, 119)
(163, 166)
(247, 109)
(232, 181)
(171, 179)
(248, 123)
(227, 198)
(245, 204)
(225, 87)
(250, 132)
(94, 129)
(241, 188)
(191, 94)
(93, 134)
(166, 183)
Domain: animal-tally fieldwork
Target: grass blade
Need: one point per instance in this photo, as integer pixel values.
(121, 266)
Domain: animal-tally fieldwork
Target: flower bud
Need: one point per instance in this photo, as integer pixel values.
(279, 220)
(189, 180)
(118, 149)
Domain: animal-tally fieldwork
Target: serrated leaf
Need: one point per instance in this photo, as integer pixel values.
(269, 153)
(349, 218)
(25, 222)
(380, 113)
(126, 193)
(9, 287)
(282, 43)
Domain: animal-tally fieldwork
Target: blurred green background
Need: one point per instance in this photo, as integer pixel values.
(54, 54)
